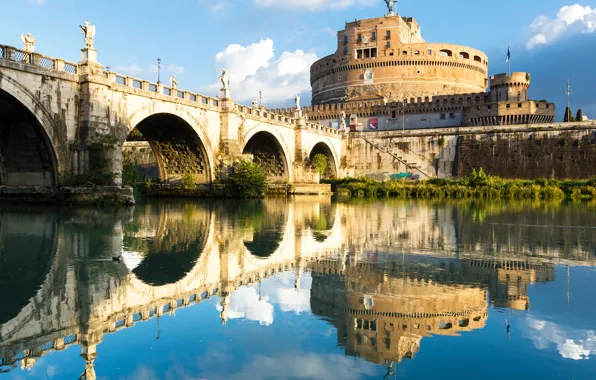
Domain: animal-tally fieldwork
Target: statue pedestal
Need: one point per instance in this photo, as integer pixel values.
(225, 93)
(88, 55)
(298, 113)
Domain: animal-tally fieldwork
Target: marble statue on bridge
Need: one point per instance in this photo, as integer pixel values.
(29, 42)
(174, 82)
(225, 79)
(89, 32)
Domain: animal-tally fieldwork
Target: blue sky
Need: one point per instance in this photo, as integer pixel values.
(269, 45)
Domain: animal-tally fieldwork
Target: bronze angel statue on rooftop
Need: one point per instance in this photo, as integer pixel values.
(391, 6)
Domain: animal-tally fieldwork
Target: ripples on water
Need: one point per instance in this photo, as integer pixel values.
(306, 288)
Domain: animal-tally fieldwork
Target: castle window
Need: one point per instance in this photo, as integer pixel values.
(519, 105)
(452, 115)
(508, 105)
(477, 59)
(417, 52)
(359, 38)
(404, 52)
(488, 107)
(374, 36)
(393, 114)
(391, 54)
(445, 53)
(359, 54)
(345, 40)
(548, 106)
(442, 116)
(345, 50)
(430, 51)
(373, 53)
(388, 34)
(388, 44)
(464, 55)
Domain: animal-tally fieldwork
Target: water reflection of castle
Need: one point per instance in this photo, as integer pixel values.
(382, 302)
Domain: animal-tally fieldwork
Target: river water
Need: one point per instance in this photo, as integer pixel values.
(301, 289)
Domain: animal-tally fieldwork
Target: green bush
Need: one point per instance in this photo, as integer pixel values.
(130, 175)
(188, 181)
(248, 179)
(319, 163)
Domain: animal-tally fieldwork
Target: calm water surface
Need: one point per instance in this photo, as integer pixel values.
(299, 289)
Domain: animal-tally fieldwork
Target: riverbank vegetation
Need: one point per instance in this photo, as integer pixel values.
(476, 185)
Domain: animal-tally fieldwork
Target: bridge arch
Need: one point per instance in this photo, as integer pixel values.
(324, 146)
(178, 140)
(271, 151)
(33, 150)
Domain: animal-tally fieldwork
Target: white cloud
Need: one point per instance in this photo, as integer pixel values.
(175, 69)
(281, 290)
(219, 7)
(330, 31)
(132, 69)
(313, 5)
(570, 19)
(254, 67)
(246, 303)
(571, 343)
(305, 366)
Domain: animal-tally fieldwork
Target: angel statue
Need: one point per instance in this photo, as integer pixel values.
(29, 42)
(297, 101)
(174, 82)
(89, 32)
(391, 6)
(225, 79)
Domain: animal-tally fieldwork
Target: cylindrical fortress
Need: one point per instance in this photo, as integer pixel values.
(514, 87)
(388, 58)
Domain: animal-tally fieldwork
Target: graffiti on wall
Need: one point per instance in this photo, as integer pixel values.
(402, 176)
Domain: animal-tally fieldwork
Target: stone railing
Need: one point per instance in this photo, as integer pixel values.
(282, 117)
(159, 89)
(16, 55)
(255, 113)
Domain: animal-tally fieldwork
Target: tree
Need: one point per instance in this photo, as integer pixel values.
(568, 115)
(319, 163)
(248, 179)
(580, 115)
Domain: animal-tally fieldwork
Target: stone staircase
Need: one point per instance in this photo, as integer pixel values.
(394, 152)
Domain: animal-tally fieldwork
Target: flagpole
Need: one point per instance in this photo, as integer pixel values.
(509, 57)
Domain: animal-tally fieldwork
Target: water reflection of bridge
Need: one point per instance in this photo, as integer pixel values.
(180, 254)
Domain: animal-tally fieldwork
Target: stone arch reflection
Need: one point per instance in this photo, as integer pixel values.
(322, 220)
(267, 224)
(165, 252)
(28, 245)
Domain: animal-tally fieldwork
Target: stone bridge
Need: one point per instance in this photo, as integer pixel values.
(60, 119)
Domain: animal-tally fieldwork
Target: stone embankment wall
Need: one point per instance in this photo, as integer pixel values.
(539, 151)
(567, 154)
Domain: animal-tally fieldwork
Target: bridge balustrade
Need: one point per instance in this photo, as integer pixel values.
(20, 56)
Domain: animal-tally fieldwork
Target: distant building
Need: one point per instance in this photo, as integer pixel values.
(385, 76)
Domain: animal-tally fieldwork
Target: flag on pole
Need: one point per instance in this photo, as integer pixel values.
(508, 54)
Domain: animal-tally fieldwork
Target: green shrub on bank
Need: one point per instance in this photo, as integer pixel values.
(476, 185)
(247, 179)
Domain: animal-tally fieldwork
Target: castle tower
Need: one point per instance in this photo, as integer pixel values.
(386, 59)
(513, 88)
